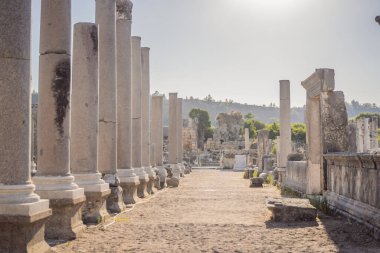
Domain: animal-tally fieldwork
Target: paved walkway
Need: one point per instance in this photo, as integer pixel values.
(216, 211)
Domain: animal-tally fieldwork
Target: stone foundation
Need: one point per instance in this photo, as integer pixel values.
(95, 208)
(291, 210)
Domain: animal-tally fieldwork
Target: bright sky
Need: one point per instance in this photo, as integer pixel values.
(239, 49)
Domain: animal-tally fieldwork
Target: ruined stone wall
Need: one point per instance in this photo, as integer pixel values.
(228, 127)
(296, 176)
(353, 187)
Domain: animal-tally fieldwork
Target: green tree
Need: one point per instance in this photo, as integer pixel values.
(259, 125)
(249, 116)
(202, 118)
(298, 132)
(274, 130)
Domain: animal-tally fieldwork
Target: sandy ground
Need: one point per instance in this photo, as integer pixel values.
(216, 211)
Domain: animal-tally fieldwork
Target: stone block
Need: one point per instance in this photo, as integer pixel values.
(291, 209)
(256, 182)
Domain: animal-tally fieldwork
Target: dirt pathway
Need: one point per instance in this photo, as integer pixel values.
(216, 211)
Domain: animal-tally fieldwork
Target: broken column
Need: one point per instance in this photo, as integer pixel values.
(285, 130)
(158, 137)
(84, 127)
(145, 118)
(128, 179)
(326, 124)
(53, 179)
(136, 118)
(173, 140)
(107, 147)
(22, 213)
(180, 138)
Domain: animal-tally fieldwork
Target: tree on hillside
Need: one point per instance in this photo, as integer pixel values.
(202, 118)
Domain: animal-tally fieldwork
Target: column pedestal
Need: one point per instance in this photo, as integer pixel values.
(174, 180)
(129, 181)
(162, 174)
(142, 191)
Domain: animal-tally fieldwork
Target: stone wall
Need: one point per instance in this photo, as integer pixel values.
(353, 187)
(296, 176)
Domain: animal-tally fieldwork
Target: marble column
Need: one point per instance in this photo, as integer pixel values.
(84, 127)
(173, 140)
(105, 18)
(136, 118)
(360, 135)
(246, 139)
(367, 135)
(145, 118)
(53, 179)
(158, 137)
(285, 130)
(180, 137)
(22, 213)
(374, 133)
(128, 179)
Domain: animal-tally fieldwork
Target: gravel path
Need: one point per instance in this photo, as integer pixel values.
(216, 211)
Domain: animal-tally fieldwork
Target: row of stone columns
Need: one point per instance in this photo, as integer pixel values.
(97, 144)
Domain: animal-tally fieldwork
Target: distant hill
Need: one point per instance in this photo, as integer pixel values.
(267, 114)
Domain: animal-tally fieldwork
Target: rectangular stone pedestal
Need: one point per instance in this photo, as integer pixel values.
(21, 232)
(66, 221)
(256, 182)
(291, 209)
(95, 208)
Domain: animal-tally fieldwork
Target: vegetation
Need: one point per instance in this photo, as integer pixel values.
(298, 132)
(204, 124)
(274, 130)
(252, 124)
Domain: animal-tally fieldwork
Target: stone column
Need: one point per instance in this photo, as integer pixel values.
(285, 130)
(374, 133)
(246, 139)
(360, 135)
(128, 179)
(145, 118)
(173, 140)
(84, 127)
(180, 137)
(367, 138)
(136, 118)
(53, 179)
(107, 145)
(22, 213)
(158, 137)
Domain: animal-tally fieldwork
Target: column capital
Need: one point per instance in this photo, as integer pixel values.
(124, 9)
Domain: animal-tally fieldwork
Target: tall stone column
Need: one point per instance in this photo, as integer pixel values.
(180, 137)
(145, 118)
(136, 118)
(158, 137)
(285, 130)
(22, 213)
(128, 179)
(173, 140)
(374, 133)
(107, 143)
(246, 139)
(53, 179)
(84, 127)
(367, 135)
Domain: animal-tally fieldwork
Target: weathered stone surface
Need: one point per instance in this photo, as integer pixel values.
(173, 135)
(296, 176)
(128, 179)
(228, 127)
(285, 132)
(95, 209)
(291, 209)
(334, 122)
(115, 202)
(256, 182)
(263, 147)
(295, 157)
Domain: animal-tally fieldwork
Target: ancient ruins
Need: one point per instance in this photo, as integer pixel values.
(95, 151)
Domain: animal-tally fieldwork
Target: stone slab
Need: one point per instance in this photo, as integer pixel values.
(291, 209)
(256, 182)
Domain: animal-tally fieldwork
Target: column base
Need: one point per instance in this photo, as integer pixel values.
(181, 170)
(162, 174)
(152, 177)
(115, 203)
(22, 227)
(66, 202)
(174, 180)
(144, 179)
(129, 182)
(95, 208)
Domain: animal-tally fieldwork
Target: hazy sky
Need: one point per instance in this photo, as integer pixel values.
(239, 49)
